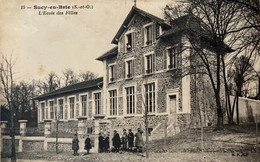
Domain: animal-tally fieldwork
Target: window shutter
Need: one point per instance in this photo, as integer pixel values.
(153, 61)
(153, 32)
(124, 66)
(143, 65)
(142, 32)
(133, 67)
(115, 73)
(123, 44)
(133, 40)
(157, 30)
(164, 59)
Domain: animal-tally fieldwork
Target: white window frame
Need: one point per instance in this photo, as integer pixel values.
(125, 100)
(127, 33)
(80, 104)
(68, 105)
(108, 94)
(155, 81)
(51, 100)
(42, 117)
(110, 73)
(58, 107)
(94, 103)
(145, 62)
(145, 33)
(126, 67)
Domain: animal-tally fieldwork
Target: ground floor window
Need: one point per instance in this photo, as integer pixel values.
(72, 104)
(61, 109)
(51, 110)
(97, 100)
(150, 97)
(130, 100)
(113, 102)
(84, 105)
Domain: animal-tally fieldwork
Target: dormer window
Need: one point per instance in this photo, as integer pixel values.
(148, 35)
(129, 41)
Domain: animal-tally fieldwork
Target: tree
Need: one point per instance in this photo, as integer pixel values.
(215, 29)
(51, 83)
(88, 75)
(6, 75)
(242, 72)
(69, 77)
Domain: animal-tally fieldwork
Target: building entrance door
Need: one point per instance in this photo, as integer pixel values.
(173, 107)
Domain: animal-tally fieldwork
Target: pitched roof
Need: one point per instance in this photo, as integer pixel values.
(72, 88)
(130, 15)
(110, 53)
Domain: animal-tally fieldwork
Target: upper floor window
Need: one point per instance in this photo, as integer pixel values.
(149, 63)
(129, 68)
(61, 108)
(172, 57)
(150, 32)
(113, 102)
(51, 109)
(72, 106)
(150, 97)
(111, 73)
(130, 100)
(97, 101)
(129, 41)
(84, 105)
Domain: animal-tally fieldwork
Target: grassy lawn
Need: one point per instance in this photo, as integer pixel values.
(232, 139)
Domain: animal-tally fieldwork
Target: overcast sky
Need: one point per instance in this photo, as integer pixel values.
(44, 43)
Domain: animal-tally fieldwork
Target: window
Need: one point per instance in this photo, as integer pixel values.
(97, 99)
(173, 57)
(150, 97)
(72, 105)
(130, 100)
(46, 113)
(113, 102)
(84, 105)
(149, 64)
(42, 110)
(129, 41)
(148, 35)
(51, 110)
(61, 108)
(111, 73)
(129, 69)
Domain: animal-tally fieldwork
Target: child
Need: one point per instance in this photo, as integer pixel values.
(75, 144)
(87, 144)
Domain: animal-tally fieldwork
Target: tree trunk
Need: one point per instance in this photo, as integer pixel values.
(237, 110)
(219, 114)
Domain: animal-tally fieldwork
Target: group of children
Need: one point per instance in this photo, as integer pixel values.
(75, 144)
(126, 142)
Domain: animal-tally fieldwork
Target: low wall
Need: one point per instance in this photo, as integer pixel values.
(248, 109)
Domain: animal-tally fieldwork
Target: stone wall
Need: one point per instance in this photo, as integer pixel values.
(8, 145)
(32, 146)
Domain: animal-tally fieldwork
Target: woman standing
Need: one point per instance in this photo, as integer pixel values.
(75, 144)
(139, 140)
(87, 144)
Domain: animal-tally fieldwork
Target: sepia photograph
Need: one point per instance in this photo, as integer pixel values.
(129, 80)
